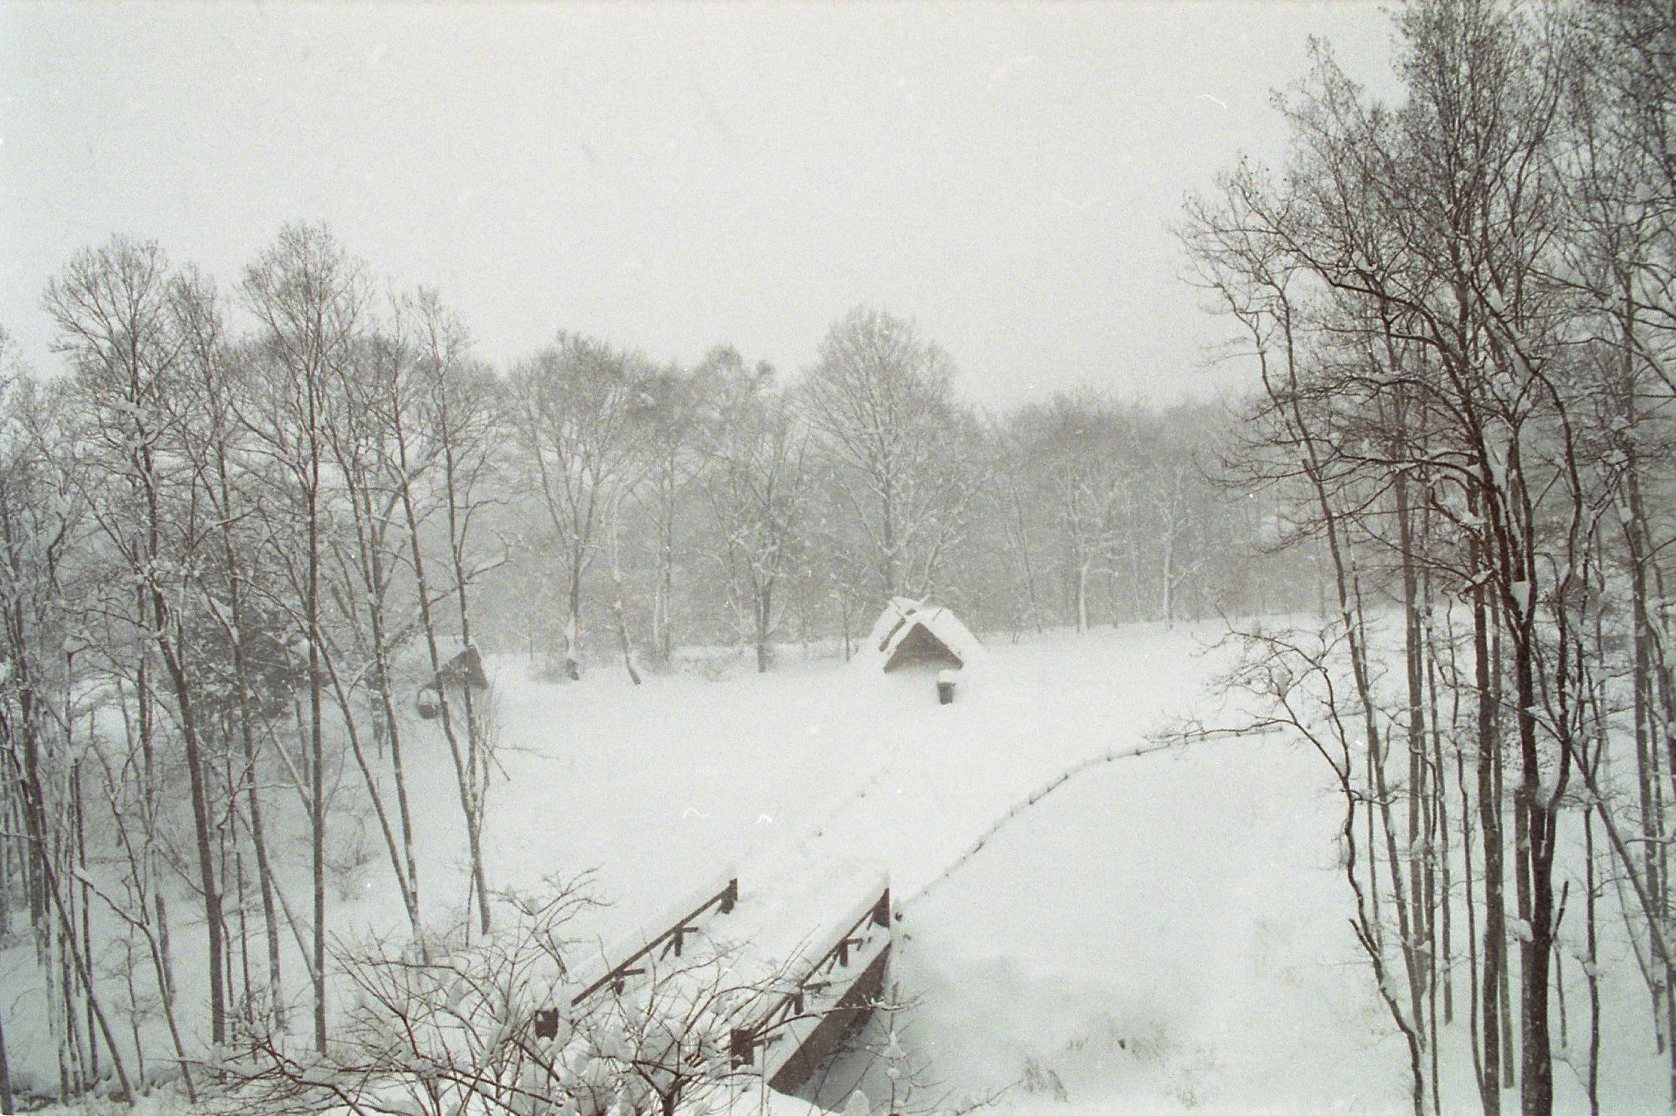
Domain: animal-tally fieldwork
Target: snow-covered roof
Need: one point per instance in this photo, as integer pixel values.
(900, 620)
(889, 620)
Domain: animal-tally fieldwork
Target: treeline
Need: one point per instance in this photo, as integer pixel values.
(653, 507)
(246, 526)
(1461, 307)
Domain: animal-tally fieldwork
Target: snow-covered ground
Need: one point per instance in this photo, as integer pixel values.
(1162, 932)
(1158, 935)
(657, 787)
(1159, 932)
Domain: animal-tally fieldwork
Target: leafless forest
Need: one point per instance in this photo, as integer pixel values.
(259, 511)
(255, 520)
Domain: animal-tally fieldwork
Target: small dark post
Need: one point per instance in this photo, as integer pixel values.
(945, 687)
(730, 896)
(742, 1044)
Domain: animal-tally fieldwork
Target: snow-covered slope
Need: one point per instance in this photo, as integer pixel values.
(1159, 934)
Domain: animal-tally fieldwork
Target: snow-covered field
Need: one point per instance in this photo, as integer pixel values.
(1162, 932)
(658, 786)
(1158, 936)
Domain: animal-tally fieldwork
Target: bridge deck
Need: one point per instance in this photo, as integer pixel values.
(811, 937)
(818, 933)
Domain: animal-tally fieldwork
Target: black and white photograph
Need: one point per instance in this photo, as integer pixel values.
(855, 557)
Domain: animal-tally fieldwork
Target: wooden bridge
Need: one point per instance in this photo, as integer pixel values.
(828, 997)
(814, 949)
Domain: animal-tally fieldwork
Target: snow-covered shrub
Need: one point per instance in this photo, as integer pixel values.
(454, 1026)
(347, 858)
(1039, 1078)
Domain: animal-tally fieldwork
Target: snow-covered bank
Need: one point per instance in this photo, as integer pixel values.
(1159, 935)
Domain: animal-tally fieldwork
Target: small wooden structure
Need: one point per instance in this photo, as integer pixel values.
(913, 632)
(464, 669)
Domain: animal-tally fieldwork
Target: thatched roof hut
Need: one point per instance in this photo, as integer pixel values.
(917, 632)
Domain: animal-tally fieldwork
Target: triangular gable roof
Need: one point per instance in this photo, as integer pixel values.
(911, 630)
(892, 618)
(466, 668)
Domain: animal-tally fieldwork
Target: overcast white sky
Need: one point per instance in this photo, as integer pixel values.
(670, 177)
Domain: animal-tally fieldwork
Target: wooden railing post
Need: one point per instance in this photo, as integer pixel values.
(742, 1046)
(671, 940)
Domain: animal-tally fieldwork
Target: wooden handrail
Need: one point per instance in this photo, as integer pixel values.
(723, 901)
(745, 1040)
(791, 1005)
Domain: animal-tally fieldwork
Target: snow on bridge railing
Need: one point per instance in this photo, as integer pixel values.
(721, 894)
(1089, 763)
(1031, 800)
(676, 926)
(835, 975)
(793, 1016)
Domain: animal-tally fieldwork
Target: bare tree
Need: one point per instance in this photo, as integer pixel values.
(880, 400)
(111, 307)
(757, 489)
(494, 1026)
(1076, 451)
(368, 560)
(673, 438)
(211, 436)
(307, 295)
(1401, 273)
(453, 426)
(574, 405)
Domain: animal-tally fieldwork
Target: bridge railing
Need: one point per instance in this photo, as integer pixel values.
(792, 1006)
(851, 961)
(670, 939)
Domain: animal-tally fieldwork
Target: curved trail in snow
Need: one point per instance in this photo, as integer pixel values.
(1042, 792)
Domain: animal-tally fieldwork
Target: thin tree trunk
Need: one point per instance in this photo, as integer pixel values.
(7, 1104)
(1489, 828)
(316, 738)
(80, 810)
(462, 773)
(230, 552)
(199, 792)
(1591, 961)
